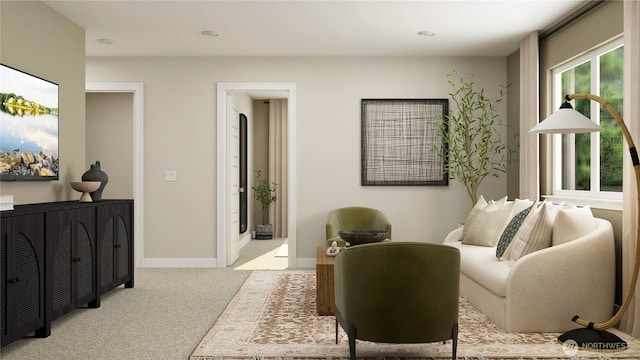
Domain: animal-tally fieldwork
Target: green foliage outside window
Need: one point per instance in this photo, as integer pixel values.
(578, 80)
(611, 145)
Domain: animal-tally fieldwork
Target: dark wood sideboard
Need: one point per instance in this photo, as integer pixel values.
(56, 257)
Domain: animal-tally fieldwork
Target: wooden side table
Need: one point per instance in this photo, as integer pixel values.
(325, 300)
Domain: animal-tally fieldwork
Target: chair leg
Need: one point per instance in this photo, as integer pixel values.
(352, 341)
(336, 330)
(454, 337)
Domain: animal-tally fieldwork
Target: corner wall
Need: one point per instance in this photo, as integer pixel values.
(36, 39)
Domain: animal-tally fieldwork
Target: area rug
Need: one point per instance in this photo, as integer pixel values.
(273, 317)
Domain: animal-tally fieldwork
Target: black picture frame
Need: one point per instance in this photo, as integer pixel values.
(401, 142)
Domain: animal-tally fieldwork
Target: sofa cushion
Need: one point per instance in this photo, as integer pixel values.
(486, 228)
(511, 230)
(571, 224)
(480, 264)
(535, 234)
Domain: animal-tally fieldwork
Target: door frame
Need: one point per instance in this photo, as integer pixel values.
(224, 88)
(137, 90)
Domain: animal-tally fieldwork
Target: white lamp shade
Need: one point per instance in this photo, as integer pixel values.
(566, 120)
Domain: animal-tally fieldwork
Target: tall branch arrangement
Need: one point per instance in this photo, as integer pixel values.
(473, 134)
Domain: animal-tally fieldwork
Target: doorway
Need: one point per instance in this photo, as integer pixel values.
(136, 90)
(224, 161)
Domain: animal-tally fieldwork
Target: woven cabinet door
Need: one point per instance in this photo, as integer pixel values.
(70, 259)
(115, 246)
(22, 276)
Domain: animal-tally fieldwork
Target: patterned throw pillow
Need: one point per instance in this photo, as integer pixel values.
(521, 204)
(535, 234)
(510, 231)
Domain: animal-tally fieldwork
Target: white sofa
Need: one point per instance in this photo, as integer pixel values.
(542, 291)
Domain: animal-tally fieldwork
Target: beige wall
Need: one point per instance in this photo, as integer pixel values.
(38, 40)
(180, 218)
(109, 130)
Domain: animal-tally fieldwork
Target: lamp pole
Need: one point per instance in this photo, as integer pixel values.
(636, 167)
(592, 336)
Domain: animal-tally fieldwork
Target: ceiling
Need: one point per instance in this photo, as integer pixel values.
(310, 28)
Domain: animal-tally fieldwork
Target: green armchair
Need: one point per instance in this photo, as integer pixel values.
(354, 218)
(397, 292)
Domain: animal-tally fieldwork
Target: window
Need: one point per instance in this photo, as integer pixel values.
(589, 166)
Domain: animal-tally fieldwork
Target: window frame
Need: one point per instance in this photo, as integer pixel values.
(594, 197)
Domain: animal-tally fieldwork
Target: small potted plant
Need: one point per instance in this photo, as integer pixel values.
(265, 193)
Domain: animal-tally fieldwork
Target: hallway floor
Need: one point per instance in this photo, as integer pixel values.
(263, 255)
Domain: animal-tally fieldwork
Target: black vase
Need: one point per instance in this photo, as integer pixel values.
(95, 174)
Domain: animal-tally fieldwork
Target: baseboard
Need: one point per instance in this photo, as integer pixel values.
(306, 263)
(245, 240)
(179, 262)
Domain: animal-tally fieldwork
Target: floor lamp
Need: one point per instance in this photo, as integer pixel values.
(566, 120)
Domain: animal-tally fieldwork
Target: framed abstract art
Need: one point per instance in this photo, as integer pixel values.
(401, 144)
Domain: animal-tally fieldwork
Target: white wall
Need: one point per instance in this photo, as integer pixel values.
(180, 117)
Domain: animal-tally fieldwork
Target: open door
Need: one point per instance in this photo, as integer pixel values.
(233, 179)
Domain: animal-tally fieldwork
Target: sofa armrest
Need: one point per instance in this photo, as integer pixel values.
(454, 235)
(554, 284)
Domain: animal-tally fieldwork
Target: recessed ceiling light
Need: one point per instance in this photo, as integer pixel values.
(427, 33)
(210, 33)
(105, 41)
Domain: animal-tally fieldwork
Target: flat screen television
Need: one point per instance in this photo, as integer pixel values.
(28, 126)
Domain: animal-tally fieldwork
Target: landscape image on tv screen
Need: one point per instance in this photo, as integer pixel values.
(28, 126)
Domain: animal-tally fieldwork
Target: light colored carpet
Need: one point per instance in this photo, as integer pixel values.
(162, 318)
(273, 317)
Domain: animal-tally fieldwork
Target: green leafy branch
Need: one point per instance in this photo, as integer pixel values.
(472, 133)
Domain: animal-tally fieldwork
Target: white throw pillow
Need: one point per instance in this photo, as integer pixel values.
(535, 234)
(521, 204)
(571, 224)
(507, 253)
(502, 201)
(480, 204)
(486, 228)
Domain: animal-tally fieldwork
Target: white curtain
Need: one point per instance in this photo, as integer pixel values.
(529, 93)
(278, 171)
(631, 320)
